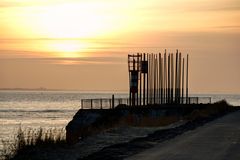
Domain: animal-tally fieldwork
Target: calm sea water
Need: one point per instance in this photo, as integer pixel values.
(47, 109)
(40, 108)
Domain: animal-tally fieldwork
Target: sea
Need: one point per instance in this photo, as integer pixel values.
(54, 109)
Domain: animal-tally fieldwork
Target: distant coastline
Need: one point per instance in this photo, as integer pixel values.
(47, 89)
(28, 89)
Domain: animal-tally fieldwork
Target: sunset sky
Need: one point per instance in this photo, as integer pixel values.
(83, 45)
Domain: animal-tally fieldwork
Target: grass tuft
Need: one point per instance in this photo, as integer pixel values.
(23, 141)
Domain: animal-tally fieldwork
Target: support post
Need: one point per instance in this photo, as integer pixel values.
(81, 104)
(172, 78)
(140, 77)
(168, 81)
(113, 101)
(165, 77)
(137, 77)
(187, 80)
(148, 78)
(91, 104)
(160, 80)
(183, 82)
(144, 82)
(154, 80)
(176, 77)
(179, 78)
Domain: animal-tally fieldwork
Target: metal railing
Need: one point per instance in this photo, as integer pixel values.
(184, 100)
(103, 103)
(110, 103)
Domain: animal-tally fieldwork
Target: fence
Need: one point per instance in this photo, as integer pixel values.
(107, 103)
(181, 100)
(103, 103)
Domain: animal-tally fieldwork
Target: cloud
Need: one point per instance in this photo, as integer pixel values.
(72, 61)
(28, 3)
(192, 6)
(228, 27)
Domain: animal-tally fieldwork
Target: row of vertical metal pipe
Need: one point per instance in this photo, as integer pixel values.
(164, 81)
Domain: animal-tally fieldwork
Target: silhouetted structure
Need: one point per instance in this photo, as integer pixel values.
(165, 81)
(153, 79)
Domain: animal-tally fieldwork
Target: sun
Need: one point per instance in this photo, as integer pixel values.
(67, 48)
(68, 29)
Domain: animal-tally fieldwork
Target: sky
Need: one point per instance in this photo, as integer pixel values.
(83, 45)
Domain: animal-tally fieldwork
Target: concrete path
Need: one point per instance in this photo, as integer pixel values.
(217, 140)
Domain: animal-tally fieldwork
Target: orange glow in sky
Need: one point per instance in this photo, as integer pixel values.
(76, 38)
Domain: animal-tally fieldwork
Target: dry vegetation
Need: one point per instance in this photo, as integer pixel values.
(218, 108)
(30, 138)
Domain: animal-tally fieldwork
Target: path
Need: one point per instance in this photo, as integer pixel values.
(217, 140)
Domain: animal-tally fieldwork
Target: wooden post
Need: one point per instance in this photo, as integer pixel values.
(81, 104)
(183, 82)
(154, 80)
(176, 77)
(139, 72)
(129, 75)
(148, 78)
(160, 76)
(172, 78)
(179, 78)
(165, 77)
(168, 81)
(91, 104)
(137, 75)
(152, 75)
(113, 101)
(144, 78)
(162, 82)
(187, 81)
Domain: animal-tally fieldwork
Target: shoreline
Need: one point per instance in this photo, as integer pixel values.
(124, 149)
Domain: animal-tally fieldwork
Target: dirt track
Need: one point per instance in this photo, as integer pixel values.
(219, 139)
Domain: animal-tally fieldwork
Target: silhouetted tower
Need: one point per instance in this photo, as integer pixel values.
(134, 68)
(154, 79)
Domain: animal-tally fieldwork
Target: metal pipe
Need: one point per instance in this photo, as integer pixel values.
(187, 80)
(169, 80)
(176, 77)
(183, 81)
(179, 78)
(140, 78)
(172, 77)
(159, 70)
(144, 78)
(165, 80)
(154, 79)
(162, 82)
(147, 78)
